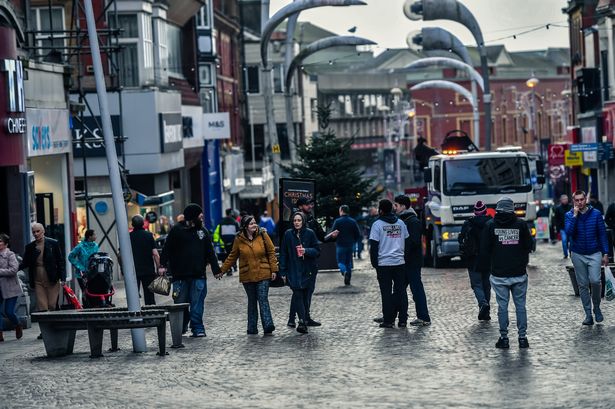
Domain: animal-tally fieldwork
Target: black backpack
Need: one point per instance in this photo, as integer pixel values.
(469, 243)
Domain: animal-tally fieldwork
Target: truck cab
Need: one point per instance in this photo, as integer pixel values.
(456, 180)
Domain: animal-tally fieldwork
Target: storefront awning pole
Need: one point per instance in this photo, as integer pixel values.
(128, 267)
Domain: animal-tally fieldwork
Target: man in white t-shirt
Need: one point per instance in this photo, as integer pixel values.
(387, 240)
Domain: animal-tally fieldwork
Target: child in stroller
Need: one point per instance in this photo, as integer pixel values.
(99, 281)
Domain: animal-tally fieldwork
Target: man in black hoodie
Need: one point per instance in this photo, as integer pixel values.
(469, 244)
(505, 246)
(187, 251)
(413, 256)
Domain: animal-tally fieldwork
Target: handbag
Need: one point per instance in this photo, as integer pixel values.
(279, 281)
(161, 285)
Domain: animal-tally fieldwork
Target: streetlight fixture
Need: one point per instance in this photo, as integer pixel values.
(455, 11)
(531, 84)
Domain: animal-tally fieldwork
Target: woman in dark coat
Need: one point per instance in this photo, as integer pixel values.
(298, 255)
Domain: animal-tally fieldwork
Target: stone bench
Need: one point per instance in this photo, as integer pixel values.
(176, 320)
(59, 328)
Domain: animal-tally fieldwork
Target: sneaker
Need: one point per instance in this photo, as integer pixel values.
(198, 335)
(40, 336)
(346, 279)
(291, 324)
(402, 324)
(598, 314)
(386, 325)
(269, 330)
(302, 328)
(502, 343)
(379, 320)
(312, 323)
(523, 343)
(588, 320)
(19, 332)
(419, 323)
(483, 314)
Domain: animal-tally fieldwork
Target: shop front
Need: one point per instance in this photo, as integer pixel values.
(14, 209)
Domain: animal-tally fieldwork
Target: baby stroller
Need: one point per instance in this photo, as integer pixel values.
(99, 281)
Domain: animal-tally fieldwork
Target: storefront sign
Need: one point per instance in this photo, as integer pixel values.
(573, 158)
(15, 98)
(171, 132)
(584, 147)
(91, 130)
(216, 125)
(557, 154)
(48, 132)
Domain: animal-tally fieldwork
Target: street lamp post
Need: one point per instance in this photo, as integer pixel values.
(531, 84)
(455, 11)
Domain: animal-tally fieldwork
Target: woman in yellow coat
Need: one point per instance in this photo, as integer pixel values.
(257, 267)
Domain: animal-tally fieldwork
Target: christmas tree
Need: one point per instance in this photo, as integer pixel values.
(338, 176)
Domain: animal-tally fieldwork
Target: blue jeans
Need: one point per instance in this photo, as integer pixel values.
(503, 287)
(9, 310)
(565, 242)
(192, 291)
(413, 279)
(479, 281)
(344, 259)
(258, 293)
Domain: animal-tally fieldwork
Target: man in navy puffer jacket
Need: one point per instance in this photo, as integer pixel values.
(589, 248)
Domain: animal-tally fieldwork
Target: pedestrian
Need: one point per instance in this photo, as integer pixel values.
(267, 223)
(348, 233)
(386, 252)
(299, 252)
(79, 256)
(306, 207)
(46, 269)
(225, 233)
(506, 243)
(10, 289)
(145, 256)
(469, 245)
(596, 204)
(186, 253)
(588, 249)
(413, 262)
(258, 265)
(560, 222)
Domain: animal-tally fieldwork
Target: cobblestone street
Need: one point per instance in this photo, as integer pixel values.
(349, 361)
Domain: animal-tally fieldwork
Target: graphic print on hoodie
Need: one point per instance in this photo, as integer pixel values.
(507, 237)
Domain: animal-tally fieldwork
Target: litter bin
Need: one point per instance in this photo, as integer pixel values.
(575, 285)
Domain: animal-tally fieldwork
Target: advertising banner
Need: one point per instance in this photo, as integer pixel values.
(92, 132)
(48, 132)
(290, 191)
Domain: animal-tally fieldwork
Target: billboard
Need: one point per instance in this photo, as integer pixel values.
(290, 191)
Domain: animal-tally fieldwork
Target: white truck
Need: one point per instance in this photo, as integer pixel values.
(455, 181)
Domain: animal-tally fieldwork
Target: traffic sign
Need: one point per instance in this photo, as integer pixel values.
(573, 158)
(584, 147)
(276, 148)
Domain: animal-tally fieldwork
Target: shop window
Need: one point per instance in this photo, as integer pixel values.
(254, 133)
(128, 23)
(46, 24)
(129, 65)
(206, 75)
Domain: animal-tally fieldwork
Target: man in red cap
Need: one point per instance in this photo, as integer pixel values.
(469, 244)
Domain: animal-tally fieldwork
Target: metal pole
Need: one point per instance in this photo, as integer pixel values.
(271, 128)
(486, 96)
(130, 279)
(251, 120)
(288, 96)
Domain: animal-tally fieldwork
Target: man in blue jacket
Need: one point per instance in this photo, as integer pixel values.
(588, 249)
(348, 234)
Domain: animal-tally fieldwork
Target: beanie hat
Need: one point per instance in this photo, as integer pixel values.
(192, 212)
(505, 205)
(480, 208)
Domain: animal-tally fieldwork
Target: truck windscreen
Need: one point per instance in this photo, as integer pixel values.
(486, 176)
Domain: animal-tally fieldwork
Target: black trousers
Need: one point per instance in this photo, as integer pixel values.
(392, 282)
(148, 296)
(310, 292)
(299, 303)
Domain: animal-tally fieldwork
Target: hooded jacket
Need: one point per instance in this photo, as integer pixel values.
(187, 251)
(80, 255)
(413, 250)
(299, 270)
(257, 261)
(474, 226)
(349, 232)
(387, 239)
(506, 243)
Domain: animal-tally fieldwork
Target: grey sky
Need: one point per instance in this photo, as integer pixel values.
(384, 22)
